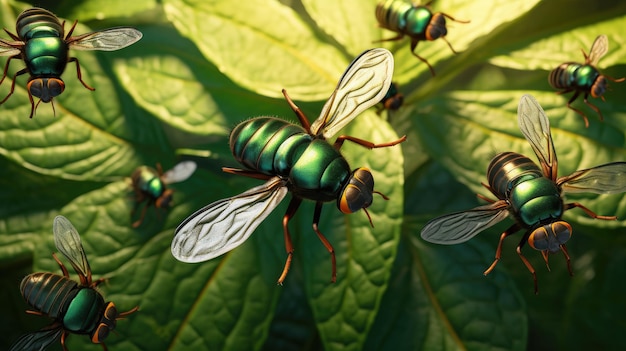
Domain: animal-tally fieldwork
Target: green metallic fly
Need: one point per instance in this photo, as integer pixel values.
(42, 45)
(295, 159)
(416, 21)
(531, 195)
(584, 78)
(75, 307)
(149, 185)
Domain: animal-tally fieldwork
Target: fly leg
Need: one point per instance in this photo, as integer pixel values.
(594, 107)
(66, 274)
(78, 74)
(589, 212)
(529, 266)
(63, 338)
(512, 229)
(304, 121)
(6, 67)
(414, 45)
(19, 73)
(246, 173)
(368, 144)
(291, 210)
(569, 264)
(329, 247)
(569, 105)
(138, 222)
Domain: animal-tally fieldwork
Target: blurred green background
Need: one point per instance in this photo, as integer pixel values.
(204, 66)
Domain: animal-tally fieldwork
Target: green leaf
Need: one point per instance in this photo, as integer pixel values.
(235, 37)
(202, 67)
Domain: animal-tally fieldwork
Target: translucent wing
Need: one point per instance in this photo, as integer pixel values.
(37, 341)
(459, 227)
(179, 173)
(599, 48)
(68, 242)
(364, 83)
(10, 48)
(605, 179)
(106, 40)
(226, 224)
(535, 126)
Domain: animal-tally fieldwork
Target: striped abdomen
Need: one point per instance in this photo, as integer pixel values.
(272, 146)
(575, 76)
(38, 22)
(508, 169)
(48, 293)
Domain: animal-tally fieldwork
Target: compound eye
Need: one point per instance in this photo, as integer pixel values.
(101, 333)
(357, 194)
(538, 239)
(550, 236)
(45, 88)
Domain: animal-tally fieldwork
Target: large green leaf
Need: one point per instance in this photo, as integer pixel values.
(204, 66)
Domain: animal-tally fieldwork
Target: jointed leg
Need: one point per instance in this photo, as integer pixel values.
(138, 222)
(512, 229)
(291, 210)
(569, 264)
(304, 121)
(569, 105)
(529, 266)
(329, 247)
(247, 173)
(413, 46)
(20, 72)
(80, 76)
(368, 144)
(6, 67)
(594, 107)
(66, 274)
(589, 212)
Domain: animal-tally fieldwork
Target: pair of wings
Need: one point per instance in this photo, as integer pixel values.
(609, 178)
(105, 40)
(179, 173)
(67, 241)
(225, 224)
(598, 49)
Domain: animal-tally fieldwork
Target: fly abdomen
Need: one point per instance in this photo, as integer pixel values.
(320, 172)
(37, 22)
(391, 14)
(48, 293)
(508, 169)
(268, 145)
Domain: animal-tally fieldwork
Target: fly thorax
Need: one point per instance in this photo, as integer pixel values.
(586, 76)
(107, 323)
(599, 87)
(536, 200)
(83, 313)
(417, 21)
(45, 88)
(357, 193)
(550, 236)
(155, 187)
